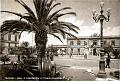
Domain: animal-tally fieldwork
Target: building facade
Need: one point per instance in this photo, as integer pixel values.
(88, 44)
(8, 40)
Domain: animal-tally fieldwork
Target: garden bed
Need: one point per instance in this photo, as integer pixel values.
(20, 74)
(115, 74)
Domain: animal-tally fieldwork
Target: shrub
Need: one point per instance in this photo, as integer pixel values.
(4, 59)
(30, 61)
(116, 53)
(115, 74)
(3, 72)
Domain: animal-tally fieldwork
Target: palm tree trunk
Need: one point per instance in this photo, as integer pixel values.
(41, 41)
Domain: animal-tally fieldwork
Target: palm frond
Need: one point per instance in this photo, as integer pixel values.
(59, 15)
(28, 18)
(70, 27)
(50, 8)
(50, 3)
(56, 12)
(28, 72)
(18, 14)
(71, 35)
(26, 7)
(20, 34)
(70, 24)
(65, 25)
(38, 8)
(15, 30)
(71, 13)
(46, 2)
(12, 25)
(62, 31)
(4, 33)
(56, 36)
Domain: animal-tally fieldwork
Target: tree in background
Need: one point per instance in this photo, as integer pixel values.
(108, 48)
(25, 49)
(4, 59)
(15, 51)
(116, 53)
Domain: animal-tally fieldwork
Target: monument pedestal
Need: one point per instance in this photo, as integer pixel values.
(101, 73)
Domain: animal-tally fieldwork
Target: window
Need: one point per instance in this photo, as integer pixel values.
(113, 42)
(65, 50)
(5, 37)
(78, 42)
(12, 37)
(71, 43)
(12, 45)
(9, 36)
(104, 42)
(78, 51)
(85, 43)
(15, 45)
(2, 37)
(6, 44)
(15, 37)
(95, 42)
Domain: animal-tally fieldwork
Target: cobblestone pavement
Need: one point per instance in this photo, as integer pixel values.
(81, 69)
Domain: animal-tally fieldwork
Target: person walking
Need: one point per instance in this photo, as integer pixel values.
(108, 61)
(85, 56)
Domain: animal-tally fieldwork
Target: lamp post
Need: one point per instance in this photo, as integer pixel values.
(101, 17)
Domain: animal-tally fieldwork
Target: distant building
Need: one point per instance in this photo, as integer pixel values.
(8, 40)
(88, 44)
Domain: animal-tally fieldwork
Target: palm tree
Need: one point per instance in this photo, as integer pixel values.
(42, 23)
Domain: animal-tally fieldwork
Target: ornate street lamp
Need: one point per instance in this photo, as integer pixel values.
(101, 17)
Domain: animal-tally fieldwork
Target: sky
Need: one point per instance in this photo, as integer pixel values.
(83, 20)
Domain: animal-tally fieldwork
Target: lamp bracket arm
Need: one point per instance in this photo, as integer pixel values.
(106, 19)
(97, 19)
